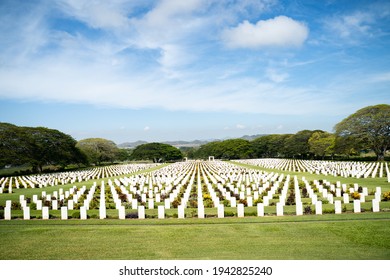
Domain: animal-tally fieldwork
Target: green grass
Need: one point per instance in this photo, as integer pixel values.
(346, 236)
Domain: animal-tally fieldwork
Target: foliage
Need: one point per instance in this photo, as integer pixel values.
(370, 127)
(322, 143)
(228, 149)
(37, 146)
(355, 195)
(99, 150)
(386, 196)
(158, 152)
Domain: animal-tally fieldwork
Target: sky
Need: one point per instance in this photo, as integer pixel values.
(164, 70)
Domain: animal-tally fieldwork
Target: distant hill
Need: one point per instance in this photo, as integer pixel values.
(182, 144)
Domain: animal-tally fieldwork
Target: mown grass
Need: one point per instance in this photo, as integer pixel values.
(346, 236)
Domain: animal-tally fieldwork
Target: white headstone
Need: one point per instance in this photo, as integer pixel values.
(151, 203)
(265, 200)
(39, 205)
(233, 202)
(121, 213)
(161, 211)
(54, 205)
(375, 205)
(345, 198)
(167, 203)
(356, 206)
(70, 205)
(260, 209)
(45, 213)
(319, 207)
(240, 210)
(337, 207)
(299, 208)
(250, 201)
(279, 209)
(83, 213)
(200, 211)
(221, 211)
(26, 213)
(64, 213)
(141, 212)
(102, 211)
(7, 213)
(134, 204)
(180, 212)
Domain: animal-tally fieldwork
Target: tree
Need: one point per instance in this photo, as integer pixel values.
(272, 145)
(322, 143)
(369, 127)
(37, 146)
(157, 152)
(98, 150)
(298, 144)
(227, 149)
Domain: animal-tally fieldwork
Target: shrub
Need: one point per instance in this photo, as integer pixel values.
(307, 210)
(259, 200)
(133, 215)
(226, 203)
(355, 195)
(386, 196)
(175, 203)
(15, 205)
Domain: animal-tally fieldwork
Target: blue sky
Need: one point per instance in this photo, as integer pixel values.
(195, 69)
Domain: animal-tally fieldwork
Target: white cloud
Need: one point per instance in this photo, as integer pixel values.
(146, 128)
(280, 31)
(240, 126)
(352, 25)
(276, 76)
(97, 14)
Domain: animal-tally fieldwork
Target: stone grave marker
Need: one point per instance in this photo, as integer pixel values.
(221, 211)
(141, 212)
(319, 207)
(45, 213)
(161, 211)
(240, 210)
(26, 213)
(356, 206)
(64, 213)
(337, 207)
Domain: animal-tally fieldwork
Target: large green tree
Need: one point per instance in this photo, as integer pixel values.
(157, 152)
(37, 146)
(369, 127)
(99, 150)
(227, 149)
(322, 143)
(273, 145)
(297, 145)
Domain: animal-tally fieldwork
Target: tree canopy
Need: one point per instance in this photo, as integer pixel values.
(157, 152)
(99, 150)
(369, 128)
(37, 146)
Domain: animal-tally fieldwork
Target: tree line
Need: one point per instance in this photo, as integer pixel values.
(368, 129)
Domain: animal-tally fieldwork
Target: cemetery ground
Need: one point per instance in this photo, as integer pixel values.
(348, 235)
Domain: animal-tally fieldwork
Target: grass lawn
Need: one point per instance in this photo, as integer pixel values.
(346, 236)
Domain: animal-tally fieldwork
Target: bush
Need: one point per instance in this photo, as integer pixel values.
(257, 201)
(386, 196)
(76, 215)
(15, 205)
(355, 195)
(133, 215)
(307, 210)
